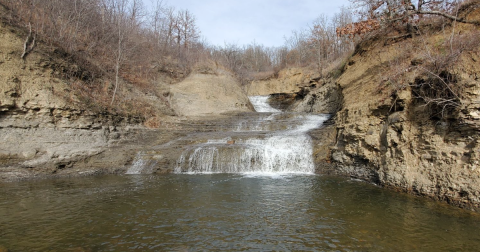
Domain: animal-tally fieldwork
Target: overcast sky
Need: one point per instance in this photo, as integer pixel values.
(243, 21)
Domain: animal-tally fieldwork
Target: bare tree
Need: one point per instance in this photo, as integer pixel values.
(386, 13)
(298, 47)
(187, 30)
(157, 19)
(319, 40)
(29, 43)
(128, 13)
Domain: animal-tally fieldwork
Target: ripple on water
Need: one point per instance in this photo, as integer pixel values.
(226, 212)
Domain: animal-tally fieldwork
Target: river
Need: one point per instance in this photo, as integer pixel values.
(250, 186)
(226, 212)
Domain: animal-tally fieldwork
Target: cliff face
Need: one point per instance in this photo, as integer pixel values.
(393, 139)
(44, 128)
(47, 129)
(386, 129)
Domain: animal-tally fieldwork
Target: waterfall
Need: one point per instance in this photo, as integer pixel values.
(143, 163)
(260, 104)
(277, 143)
(137, 165)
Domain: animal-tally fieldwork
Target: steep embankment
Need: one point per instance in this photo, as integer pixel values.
(394, 128)
(394, 141)
(48, 128)
(287, 81)
(208, 91)
(44, 127)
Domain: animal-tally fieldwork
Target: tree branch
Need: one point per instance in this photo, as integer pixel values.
(438, 13)
(26, 47)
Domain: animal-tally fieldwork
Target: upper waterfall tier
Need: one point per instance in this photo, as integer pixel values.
(260, 103)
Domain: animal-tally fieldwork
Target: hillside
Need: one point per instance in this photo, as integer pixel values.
(410, 114)
(46, 124)
(56, 115)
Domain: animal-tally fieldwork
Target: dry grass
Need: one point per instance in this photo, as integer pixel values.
(265, 75)
(427, 65)
(438, 84)
(87, 44)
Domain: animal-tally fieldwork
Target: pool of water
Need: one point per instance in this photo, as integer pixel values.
(224, 212)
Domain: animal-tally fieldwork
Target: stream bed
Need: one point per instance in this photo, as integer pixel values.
(226, 212)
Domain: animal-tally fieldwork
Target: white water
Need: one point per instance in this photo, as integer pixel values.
(143, 163)
(277, 152)
(260, 103)
(138, 164)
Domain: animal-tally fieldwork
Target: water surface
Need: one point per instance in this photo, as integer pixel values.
(221, 212)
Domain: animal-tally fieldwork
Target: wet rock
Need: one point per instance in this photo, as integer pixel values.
(282, 101)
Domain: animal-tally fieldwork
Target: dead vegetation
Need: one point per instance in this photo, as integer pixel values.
(118, 53)
(114, 51)
(428, 51)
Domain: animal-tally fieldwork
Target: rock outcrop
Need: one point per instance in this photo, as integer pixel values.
(393, 138)
(384, 132)
(46, 129)
(322, 97)
(289, 81)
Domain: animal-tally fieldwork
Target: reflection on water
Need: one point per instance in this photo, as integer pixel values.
(226, 212)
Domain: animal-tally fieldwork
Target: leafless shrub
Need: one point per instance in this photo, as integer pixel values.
(109, 41)
(436, 85)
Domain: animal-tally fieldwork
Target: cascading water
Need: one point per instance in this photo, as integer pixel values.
(277, 143)
(144, 163)
(138, 164)
(260, 104)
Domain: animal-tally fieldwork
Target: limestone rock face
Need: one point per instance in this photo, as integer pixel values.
(203, 94)
(395, 142)
(44, 129)
(325, 98)
(386, 134)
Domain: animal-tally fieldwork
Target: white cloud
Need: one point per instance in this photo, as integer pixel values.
(265, 21)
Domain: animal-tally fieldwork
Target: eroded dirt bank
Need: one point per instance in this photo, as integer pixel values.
(388, 132)
(396, 141)
(47, 129)
(389, 121)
